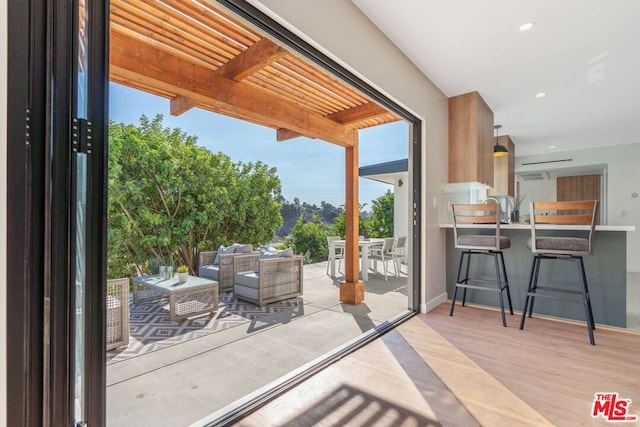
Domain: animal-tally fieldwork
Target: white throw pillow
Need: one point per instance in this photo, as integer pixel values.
(267, 253)
(244, 249)
(285, 253)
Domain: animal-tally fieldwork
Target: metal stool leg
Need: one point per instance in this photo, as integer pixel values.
(506, 281)
(455, 288)
(585, 300)
(535, 283)
(466, 277)
(526, 301)
(453, 300)
(499, 283)
(465, 282)
(586, 288)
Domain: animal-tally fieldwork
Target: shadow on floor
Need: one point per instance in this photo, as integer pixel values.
(347, 405)
(360, 314)
(285, 315)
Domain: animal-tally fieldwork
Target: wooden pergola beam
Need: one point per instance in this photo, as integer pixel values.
(142, 62)
(286, 134)
(345, 117)
(261, 54)
(369, 110)
(181, 104)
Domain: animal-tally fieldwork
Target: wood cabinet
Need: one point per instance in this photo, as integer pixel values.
(582, 187)
(504, 169)
(470, 139)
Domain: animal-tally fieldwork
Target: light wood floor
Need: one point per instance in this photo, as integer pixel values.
(549, 364)
(467, 370)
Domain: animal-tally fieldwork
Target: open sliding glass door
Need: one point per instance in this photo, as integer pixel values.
(56, 212)
(77, 248)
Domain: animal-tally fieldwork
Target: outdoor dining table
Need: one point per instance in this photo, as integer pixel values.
(365, 245)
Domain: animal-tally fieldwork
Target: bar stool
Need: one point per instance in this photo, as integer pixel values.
(561, 248)
(480, 244)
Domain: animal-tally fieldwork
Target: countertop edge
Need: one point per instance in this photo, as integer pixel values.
(546, 227)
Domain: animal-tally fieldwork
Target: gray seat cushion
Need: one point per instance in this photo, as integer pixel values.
(569, 244)
(209, 271)
(246, 285)
(487, 241)
(247, 278)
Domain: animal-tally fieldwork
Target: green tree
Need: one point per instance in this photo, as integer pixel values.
(364, 223)
(382, 216)
(309, 239)
(292, 211)
(170, 198)
(328, 212)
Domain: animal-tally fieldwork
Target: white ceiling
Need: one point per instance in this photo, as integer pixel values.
(585, 54)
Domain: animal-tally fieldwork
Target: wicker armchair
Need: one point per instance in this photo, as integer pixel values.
(277, 279)
(224, 271)
(117, 313)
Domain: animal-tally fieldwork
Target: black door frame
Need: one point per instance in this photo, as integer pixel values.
(25, 212)
(42, 67)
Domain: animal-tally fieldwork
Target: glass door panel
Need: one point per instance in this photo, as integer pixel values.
(80, 284)
(80, 163)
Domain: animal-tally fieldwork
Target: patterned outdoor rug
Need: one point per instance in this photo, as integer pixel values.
(150, 327)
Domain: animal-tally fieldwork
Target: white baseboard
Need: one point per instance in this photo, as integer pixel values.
(633, 269)
(430, 305)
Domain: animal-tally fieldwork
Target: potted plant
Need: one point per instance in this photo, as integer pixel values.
(183, 273)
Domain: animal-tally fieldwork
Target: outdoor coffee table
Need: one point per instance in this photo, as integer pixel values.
(196, 296)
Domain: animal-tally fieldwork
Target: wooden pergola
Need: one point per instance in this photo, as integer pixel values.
(197, 55)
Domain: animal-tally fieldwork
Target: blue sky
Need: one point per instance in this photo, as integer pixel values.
(309, 169)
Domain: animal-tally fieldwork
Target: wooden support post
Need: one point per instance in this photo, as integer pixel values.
(352, 289)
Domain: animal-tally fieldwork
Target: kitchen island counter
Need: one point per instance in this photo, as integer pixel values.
(606, 271)
(526, 226)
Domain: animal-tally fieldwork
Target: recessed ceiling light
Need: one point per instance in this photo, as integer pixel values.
(527, 26)
(541, 94)
(552, 147)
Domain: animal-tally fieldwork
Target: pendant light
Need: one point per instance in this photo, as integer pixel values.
(499, 150)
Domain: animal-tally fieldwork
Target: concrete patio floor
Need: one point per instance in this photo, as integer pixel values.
(181, 384)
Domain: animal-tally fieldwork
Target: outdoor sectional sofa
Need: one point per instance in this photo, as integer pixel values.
(222, 268)
(268, 280)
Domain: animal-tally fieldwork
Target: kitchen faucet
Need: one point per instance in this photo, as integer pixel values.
(504, 209)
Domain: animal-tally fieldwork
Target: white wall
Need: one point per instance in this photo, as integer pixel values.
(545, 189)
(3, 211)
(339, 29)
(623, 179)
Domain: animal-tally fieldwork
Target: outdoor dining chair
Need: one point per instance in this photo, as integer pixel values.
(384, 254)
(335, 252)
(399, 253)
